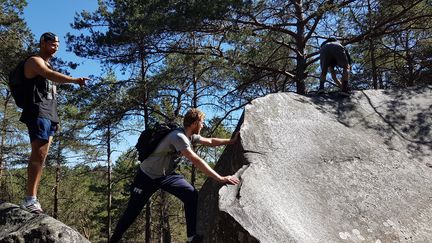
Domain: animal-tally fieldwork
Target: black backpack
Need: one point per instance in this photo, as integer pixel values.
(151, 137)
(21, 91)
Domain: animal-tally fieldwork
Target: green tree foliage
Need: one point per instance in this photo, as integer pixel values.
(394, 34)
(15, 37)
(173, 55)
(107, 109)
(16, 42)
(272, 45)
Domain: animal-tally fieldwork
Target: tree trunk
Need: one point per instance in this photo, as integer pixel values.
(194, 105)
(409, 61)
(57, 180)
(300, 74)
(194, 98)
(3, 140)
(164, 219)
(381, 81)
(5, 193)
(372, 50)
(148, 222)
(109, 181)
(373, 62)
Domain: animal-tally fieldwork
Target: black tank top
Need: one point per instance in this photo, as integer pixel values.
(44, 103)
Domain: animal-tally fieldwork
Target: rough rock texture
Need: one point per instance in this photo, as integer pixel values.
(327, 169)
(17, 225)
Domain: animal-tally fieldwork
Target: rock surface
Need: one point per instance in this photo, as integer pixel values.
(17, 225)
(327, 169)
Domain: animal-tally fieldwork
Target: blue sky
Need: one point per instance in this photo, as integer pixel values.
(56, 16)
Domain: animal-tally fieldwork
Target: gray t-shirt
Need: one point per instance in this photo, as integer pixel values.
(163, 161)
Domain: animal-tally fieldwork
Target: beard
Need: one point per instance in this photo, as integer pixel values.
(52, 53)
(197, 130)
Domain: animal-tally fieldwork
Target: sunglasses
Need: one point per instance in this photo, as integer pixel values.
(48, 36)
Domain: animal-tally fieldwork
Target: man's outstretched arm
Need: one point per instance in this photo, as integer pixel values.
(212, 142)
(36, 66)
(206, 169)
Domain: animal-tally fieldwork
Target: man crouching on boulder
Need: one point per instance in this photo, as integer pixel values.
(157, 172)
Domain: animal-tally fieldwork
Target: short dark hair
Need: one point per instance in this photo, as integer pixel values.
(48, 36)
(331, 39)
(193, 115)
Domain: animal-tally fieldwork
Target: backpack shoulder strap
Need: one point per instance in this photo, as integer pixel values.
(20, 66)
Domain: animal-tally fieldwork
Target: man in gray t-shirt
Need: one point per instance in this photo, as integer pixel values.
(158, 172)
(163, 161)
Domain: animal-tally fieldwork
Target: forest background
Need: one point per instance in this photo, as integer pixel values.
(160, 58)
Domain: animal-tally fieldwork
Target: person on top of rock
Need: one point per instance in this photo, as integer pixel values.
(332, 54)
(40, 114)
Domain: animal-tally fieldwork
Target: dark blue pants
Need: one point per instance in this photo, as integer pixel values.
(143, 188)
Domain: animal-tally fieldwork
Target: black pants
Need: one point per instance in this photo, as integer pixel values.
(143, 188)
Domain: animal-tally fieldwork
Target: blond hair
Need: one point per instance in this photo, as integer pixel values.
(193, 115)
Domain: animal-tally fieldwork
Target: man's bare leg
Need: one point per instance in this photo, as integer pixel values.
(345, 77)
(335, 79)
(39, 153)
(322, 79)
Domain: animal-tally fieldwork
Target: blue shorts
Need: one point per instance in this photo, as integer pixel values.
(41, 128)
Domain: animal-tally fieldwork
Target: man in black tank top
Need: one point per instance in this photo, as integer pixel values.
(41, 115)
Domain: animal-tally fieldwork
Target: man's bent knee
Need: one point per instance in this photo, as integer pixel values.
(38, 156)
(193, 196)
(189, 196)
(40, 149)
(35, 163)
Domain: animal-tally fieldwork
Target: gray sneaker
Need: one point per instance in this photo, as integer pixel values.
(32, 206)
(196, 239)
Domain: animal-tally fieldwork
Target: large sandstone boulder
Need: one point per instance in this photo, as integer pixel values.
(17, 225)
(327, 169)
